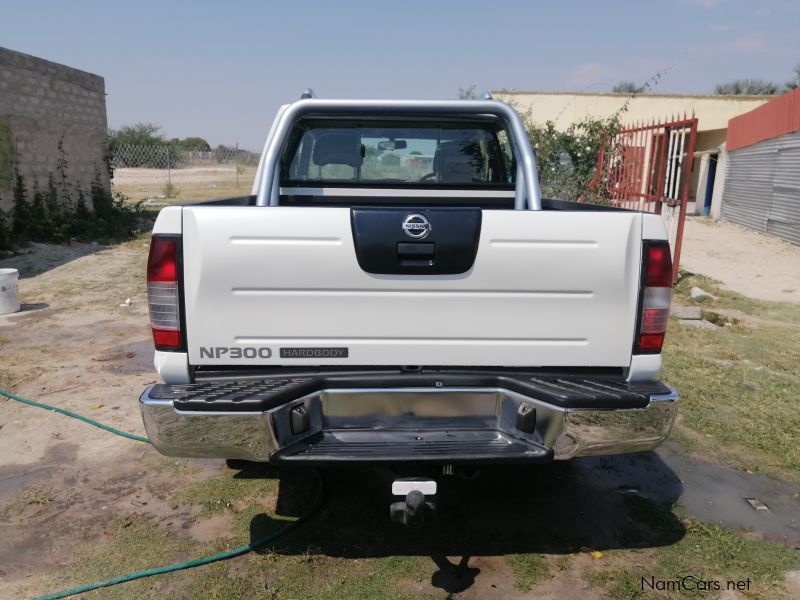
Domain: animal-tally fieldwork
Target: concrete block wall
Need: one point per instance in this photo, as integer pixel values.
(42, 102)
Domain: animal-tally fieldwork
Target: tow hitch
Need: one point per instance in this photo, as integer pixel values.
(419, 505)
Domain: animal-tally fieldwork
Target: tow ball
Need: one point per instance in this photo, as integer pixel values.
(419, 505)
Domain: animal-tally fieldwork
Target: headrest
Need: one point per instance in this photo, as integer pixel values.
(340, 148)
(457, 162)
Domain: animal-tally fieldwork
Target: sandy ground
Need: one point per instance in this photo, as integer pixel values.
(72, 345)
(747, 262)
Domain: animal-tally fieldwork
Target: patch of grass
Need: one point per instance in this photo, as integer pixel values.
(718, 319)
(156, 464)
(562, 563)
(38, 497)
(739, 392)
(781, 311)
(223, 492)
(528, 569)
(707, 552)
(216, 583)
(318, 576)
(598, 578)
(130, 545)
(169, 190)
(5, 383)
(738, 383)
(253, 520)
(618, 583)
(710, 552)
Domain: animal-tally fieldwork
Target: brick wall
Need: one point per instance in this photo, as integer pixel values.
(42, 102)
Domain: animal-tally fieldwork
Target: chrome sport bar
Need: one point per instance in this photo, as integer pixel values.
(527, 194)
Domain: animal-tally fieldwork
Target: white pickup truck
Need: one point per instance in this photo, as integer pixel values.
(395, 290)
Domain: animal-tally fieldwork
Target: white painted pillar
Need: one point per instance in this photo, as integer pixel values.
(719, 183)
(702, 184)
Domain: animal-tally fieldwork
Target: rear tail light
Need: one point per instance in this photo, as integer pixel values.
(162, 292)
(656, 297)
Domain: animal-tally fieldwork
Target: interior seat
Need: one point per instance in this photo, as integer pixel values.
(458, 162)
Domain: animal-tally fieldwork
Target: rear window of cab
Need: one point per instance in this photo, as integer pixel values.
(420, 154)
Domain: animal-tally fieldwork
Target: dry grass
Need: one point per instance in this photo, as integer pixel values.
(189, 187)
(738, 382)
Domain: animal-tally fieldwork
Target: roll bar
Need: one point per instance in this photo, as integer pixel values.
(527, 193)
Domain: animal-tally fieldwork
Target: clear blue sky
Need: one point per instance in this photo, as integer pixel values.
(220, 69)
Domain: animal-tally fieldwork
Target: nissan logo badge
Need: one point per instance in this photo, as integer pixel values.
(416, 226)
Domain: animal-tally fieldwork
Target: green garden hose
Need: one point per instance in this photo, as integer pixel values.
(238, 551)
(69, 413)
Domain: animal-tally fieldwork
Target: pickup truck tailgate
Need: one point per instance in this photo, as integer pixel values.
(547, 288)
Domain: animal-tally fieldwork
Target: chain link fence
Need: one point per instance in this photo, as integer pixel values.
(151, 168)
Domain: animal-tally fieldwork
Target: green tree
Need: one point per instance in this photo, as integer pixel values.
(794, 82)
(626, 87)
(139, 134)
(751, 87)
(467, 93)
(191, 143)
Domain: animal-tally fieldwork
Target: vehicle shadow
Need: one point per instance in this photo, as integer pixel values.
(38, 258)
(591, 503)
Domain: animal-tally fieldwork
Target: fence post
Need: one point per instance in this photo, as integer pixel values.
(169, 168)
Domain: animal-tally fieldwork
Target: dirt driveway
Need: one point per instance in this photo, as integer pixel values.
(78, 505)
(745, 261)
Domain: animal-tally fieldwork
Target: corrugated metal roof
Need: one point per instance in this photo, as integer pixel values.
(762, 187)
(777, 117)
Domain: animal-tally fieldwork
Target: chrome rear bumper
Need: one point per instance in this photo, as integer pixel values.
(261, 436)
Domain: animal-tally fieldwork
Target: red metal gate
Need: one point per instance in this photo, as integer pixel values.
(649, 168)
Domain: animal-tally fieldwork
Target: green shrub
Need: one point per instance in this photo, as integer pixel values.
(21, 212)
(568, 159)
(55, 211)
(5, 232)
(115, 217)
(169, 190)
(60, 212)
(6, 153)
(43, 217)
(39, 225)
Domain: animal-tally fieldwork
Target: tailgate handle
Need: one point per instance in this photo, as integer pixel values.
(416, 254)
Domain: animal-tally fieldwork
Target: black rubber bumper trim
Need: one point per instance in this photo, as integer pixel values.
(248, 394)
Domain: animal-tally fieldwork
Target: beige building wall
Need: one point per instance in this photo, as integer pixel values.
(712, 112)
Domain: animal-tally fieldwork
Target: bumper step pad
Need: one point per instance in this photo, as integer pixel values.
(474, 447)
(232, 394)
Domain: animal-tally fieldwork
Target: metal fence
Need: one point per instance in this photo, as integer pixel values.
(762, 187)
(224, 166)
(650, 169)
